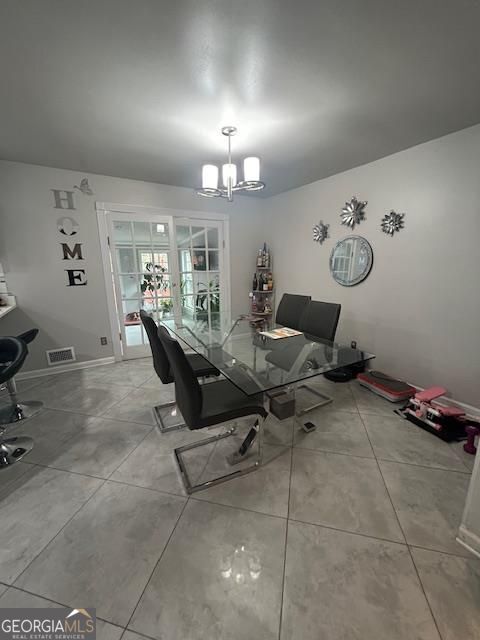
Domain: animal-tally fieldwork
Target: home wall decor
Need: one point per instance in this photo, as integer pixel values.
(353, 212)
(68, 226)
(320, 232)
(392, 222)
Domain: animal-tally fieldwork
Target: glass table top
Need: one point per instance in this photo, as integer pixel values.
(256, 363)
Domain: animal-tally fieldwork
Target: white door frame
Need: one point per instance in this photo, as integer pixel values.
(103, 208)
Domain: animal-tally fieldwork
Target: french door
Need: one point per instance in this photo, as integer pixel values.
(170, 266)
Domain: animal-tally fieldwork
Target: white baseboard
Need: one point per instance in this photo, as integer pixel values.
(469, 540)
(64, 368)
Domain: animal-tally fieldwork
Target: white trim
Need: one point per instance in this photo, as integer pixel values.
(64, 368)
(469, 540)
(107, 275)
(141, 209)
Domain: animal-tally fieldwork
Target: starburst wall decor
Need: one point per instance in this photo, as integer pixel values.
(353, 212)
(320, 232)
(392, 222)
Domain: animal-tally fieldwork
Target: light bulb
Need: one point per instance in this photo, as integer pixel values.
(251, 169)
(229, 171)
(209, 176)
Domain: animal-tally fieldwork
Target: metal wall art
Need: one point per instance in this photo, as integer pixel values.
(320, 232)
(353, 212)
(84, 187)
(392, 222)
(67, 226)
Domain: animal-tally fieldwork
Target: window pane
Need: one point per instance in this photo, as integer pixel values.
(213, 281)
(165, 308)
(186, 284)
(155, 284)
(161, 260)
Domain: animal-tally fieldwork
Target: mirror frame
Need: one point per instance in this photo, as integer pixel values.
(365, 273)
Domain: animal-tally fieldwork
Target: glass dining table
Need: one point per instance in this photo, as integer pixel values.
(256, 362)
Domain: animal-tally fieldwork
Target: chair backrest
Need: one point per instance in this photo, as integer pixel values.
(28, 336)
(188, 393)
(320, 319)
(290, 310)
(160, 360)
(12, 355)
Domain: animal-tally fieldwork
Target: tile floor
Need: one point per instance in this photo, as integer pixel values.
(345, 533)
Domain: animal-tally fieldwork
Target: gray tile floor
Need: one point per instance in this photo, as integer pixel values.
(345, 533)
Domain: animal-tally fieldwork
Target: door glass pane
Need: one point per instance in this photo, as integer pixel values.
(199, 261)
(213, 282)
(185, 260)
(198, 237)
(183, 235)
(213, 261)
(129, 287)
(160, 235)
(141, 234)
(165, 308)
(126, 260)
(132, 323)
(186, 283)
(160, 260)
(212, 238)
(122, 232)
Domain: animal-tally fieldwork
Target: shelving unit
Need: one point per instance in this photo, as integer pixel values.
(7, 301)
(262, 303)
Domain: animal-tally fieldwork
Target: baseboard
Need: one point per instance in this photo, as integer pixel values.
(469, 540)
(64, 368)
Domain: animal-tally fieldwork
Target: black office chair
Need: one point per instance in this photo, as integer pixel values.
(13, 352)
(211, 404)
(290, 310)
(201, 367)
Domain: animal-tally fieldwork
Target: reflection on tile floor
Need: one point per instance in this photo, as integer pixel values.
(346, 532)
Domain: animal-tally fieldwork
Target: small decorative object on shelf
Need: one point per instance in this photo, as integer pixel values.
(262, 296)
(392, 222)
(353, 212)
(320, 232)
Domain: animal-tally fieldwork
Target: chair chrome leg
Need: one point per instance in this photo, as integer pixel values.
(13, 449)
(193, 488)
(324, 399)
(16, 411)
(167, 409)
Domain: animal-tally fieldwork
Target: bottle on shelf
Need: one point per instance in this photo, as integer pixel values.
(267, 257)
(270, 281)
(254, 304)
(255, 282)
(259, 258)
(260, 282)
(264, 255)
(265, 283)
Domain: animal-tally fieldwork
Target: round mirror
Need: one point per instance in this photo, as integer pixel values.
(351, 260)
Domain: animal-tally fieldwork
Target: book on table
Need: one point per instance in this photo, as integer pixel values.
(281, 332)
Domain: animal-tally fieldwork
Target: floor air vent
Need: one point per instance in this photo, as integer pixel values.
(60, 356)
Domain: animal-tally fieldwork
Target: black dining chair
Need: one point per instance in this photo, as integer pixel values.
(319, 322)
(201, 367)
(291, 309)
(212, 404)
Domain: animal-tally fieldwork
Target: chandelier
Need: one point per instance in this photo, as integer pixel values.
(251, 174)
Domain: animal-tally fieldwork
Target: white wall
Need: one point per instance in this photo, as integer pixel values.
(31, 254)
(419, 310)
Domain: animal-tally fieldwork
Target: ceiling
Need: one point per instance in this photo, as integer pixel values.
(140, 88)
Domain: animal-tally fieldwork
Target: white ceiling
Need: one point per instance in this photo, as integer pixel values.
(140, 88)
